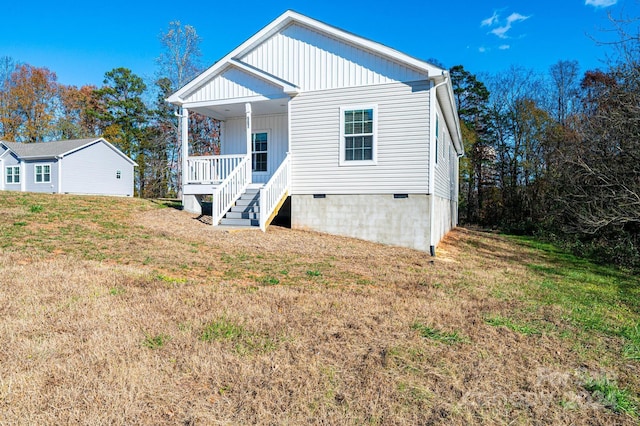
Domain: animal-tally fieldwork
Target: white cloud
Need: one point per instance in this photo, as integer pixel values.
(504, 47)
(514, 17)
(482, 49)
(600, 3)
(490, 21)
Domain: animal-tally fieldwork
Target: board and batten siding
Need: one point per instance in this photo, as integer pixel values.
(233, 83)
(92, 170)
(402, 141)
(234, 140)
(315, 61)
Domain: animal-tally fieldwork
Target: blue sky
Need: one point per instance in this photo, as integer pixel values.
(81, 43)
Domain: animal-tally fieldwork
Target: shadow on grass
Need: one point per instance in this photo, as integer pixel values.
(598, 281)
(173, 203)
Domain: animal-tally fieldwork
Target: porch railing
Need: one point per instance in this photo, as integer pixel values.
(211, 168)
(273, 193)
(230, 189)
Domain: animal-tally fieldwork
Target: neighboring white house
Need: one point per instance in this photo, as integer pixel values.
(364, 139)
(79, 166)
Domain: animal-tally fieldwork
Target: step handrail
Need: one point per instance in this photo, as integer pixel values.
(274, 192)
(230, 190)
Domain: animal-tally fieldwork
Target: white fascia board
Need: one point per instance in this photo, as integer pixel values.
(7, 152)
(106, 142)
(367, 44)
(288, 88)
(449, 110)
(78, 148)
(258, 37)
(281, 22)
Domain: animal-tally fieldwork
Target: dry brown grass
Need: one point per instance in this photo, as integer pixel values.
(103, 308)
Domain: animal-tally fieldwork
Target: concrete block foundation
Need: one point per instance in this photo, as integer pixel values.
(383, 218)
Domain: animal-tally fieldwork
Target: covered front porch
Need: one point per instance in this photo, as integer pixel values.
(250, 179)
(253, 108)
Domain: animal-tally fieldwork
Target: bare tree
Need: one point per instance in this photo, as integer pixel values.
(564, 76)
(178, 64)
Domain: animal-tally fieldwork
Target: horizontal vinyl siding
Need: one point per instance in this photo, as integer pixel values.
(234, 83)
(314, 61)
(234, 140)
(444, 165)
(8, 160)
(92, 170)
(30, 176)
(402, 141)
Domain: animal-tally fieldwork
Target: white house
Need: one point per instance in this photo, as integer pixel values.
(364, 139)
(78, 166)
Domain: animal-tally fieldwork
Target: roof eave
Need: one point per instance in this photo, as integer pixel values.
(288, 17)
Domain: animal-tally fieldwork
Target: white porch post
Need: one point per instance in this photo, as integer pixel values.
(249, 144)
(184, 135)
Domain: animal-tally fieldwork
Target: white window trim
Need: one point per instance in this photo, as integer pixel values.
(35, 173)
(268, 132)
(13, 174)
(374, 153)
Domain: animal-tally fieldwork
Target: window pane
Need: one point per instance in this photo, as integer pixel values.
(358, 122)
(368, 141)
(367, 154)
(348, 128)
(349, 143)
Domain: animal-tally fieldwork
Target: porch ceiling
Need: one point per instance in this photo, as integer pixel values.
(237, 109)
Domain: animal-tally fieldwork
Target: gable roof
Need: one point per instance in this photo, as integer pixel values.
(237, 57)
(56, 149)
(255, 79)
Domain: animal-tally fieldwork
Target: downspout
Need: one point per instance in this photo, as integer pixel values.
(432, 161)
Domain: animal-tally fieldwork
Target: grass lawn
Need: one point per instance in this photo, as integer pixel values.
(124, 311)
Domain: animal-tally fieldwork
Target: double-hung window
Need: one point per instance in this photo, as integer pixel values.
(358, 135)
(43, 173)
(259, 154)
(12, 174)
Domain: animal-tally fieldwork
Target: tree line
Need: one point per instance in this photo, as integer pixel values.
(129, 112)
(557, 155)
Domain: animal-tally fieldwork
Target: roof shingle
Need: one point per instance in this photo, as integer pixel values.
(47, 149)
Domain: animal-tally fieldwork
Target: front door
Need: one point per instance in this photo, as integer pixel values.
(260, 156)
